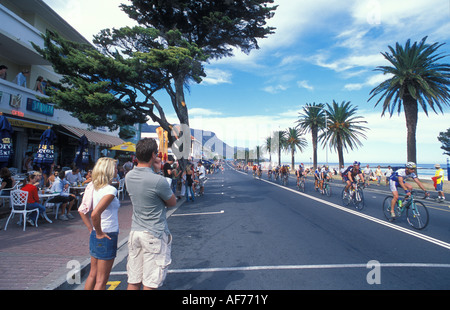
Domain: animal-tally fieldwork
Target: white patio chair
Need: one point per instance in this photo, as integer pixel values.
(120, 190)
(4, 193)
(18, 200)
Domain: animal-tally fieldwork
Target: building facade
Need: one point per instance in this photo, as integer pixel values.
(22, 22)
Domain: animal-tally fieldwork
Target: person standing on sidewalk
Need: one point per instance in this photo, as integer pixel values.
(103, 224)
(149, 242)
(201, 176)
(439, 182)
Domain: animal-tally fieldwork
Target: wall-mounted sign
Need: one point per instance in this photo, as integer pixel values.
(39, 107)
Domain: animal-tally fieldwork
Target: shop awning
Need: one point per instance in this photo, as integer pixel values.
(94, 137)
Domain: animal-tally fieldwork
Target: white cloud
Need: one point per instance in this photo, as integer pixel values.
(275, 89)
(372, 81)
(89, 17)
(217, 76)
(305, 84)
(196, 112)
(348, 62)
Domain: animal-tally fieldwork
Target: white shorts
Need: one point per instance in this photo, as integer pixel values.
(148, 258)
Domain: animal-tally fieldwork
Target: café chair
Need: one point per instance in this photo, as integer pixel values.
(18, 201)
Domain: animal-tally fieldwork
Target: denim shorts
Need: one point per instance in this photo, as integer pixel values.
(104, 249)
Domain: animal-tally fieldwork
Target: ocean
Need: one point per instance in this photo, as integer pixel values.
(425, 171)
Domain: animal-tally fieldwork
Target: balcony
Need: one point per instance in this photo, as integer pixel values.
(22, 102)
(15, 37)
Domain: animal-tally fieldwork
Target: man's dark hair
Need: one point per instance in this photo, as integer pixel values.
(145, 149)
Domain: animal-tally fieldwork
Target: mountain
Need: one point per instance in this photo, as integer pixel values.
(208, 139)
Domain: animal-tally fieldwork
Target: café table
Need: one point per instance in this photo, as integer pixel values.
(44, 196)
(77, 190)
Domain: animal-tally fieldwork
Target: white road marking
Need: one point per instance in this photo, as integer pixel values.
(367, 217)
(200, 213)
(297, 267)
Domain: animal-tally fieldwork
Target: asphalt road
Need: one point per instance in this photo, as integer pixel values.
(251, 234)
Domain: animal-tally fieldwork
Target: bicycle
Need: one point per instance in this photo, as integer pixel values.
(285, 179)
(301, 185)
(416, 212)
(355, 196)
(326, 188)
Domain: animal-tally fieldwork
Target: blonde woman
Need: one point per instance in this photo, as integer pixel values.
(103, 224)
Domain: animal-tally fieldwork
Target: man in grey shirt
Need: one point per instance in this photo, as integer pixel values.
(149, 242)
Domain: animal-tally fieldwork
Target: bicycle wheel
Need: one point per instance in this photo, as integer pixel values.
(327, 189)
(358, 200)
(345, 198)
(387, 207)
(302, 185)
(417, 215)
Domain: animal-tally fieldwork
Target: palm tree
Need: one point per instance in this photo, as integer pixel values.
(268, 147)
(343, 128)
(417, 77)
(258, 153)
(293, 141)
(312, 120)
(279, 142)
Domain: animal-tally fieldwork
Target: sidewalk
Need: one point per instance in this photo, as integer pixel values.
(41, 257)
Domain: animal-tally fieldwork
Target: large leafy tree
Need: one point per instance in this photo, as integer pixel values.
(444, 138)
(417, 79)
(312, 119)
(115, 82)
(343, 128)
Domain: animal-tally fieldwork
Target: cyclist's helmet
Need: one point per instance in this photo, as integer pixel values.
(411, 165)
(356, 163)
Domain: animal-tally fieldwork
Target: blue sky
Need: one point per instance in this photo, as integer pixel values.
(322, 50)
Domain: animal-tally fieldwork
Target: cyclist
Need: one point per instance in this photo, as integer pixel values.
(322, 177)
(254, 170)
(398, 179)
(300, 173)
(277, 172)
(350, 174)
(259, 171)
(283, 171)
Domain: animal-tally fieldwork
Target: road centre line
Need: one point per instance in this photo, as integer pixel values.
(200, 213)
(368, 217)
(298, 267)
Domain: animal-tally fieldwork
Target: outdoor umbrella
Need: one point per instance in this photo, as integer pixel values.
(5, 144)
(82, 155)
(45, 155)
(126, 147)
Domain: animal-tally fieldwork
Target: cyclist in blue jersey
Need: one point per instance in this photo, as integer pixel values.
(316, 177)
(350, 174)
(398, 179)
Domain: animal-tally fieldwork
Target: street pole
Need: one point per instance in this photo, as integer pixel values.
(448, 170)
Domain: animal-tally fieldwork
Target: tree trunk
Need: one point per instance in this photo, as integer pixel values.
(180, 104)
(292, 157)
(279, 153)
(340, 152)
(314, 141)
(411, 115)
